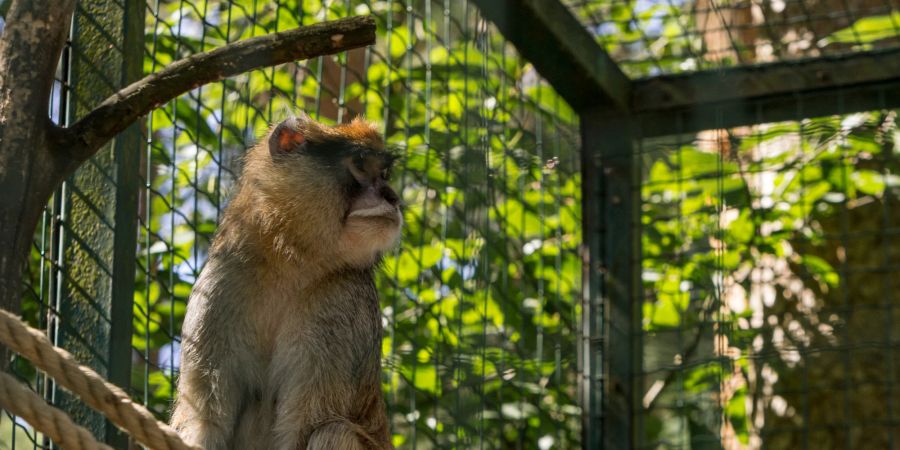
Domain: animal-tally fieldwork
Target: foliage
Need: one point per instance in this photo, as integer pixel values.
(480, 300)
(653, 37)
(753, 241)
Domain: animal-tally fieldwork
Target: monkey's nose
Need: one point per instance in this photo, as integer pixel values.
(388, 194)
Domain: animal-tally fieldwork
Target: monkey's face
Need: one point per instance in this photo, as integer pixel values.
(335, 180)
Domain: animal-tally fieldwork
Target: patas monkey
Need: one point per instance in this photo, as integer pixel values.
(281, 345)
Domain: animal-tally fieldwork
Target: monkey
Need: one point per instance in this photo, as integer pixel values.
(281, 343)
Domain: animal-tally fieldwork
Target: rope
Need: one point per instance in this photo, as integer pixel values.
(96, 392)
(16, 398)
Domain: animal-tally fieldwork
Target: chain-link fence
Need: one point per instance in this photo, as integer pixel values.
(480, 301)
(736, 167)
(769, 262)
(751, 305)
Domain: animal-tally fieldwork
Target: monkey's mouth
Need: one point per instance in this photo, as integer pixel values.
(371, 205)
(381, 210)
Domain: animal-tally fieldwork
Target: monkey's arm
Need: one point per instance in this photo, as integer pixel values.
(212, 383)
(204, 414)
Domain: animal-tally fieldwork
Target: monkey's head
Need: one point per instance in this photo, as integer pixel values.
(324, 191)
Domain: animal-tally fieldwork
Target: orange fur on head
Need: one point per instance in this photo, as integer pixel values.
(361, 132)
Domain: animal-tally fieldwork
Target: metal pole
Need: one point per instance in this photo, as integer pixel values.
(611, 302)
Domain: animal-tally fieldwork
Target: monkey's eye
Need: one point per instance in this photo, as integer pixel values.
(386, 174)
(359, 161)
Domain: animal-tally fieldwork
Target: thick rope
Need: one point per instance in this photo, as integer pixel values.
(18, 399)
(96, 392)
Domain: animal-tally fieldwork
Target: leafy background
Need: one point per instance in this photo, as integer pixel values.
(770, 262)
(768, 252)
(480, 301)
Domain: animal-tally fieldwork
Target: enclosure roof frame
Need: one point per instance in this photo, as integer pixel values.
(747, 95)
(548, 35)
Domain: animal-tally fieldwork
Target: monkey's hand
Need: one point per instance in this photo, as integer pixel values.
(342, 433)
(212, 384)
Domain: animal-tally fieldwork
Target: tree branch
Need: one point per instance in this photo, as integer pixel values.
(119, 111)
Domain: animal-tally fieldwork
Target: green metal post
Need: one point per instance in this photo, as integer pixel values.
(611, 306)
(100, 218)
(590, 348)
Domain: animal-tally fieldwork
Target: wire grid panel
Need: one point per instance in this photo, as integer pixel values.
(651, 37)
(770, 266)
(479, 303)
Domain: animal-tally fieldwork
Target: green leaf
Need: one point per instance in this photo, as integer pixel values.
(868, 30)
(868, 181)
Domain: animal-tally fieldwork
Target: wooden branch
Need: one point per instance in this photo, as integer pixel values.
(117, 112)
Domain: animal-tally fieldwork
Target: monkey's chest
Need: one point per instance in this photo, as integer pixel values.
(268, 325)
(339, 339)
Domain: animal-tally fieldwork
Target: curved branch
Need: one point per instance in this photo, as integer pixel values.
(120, 110)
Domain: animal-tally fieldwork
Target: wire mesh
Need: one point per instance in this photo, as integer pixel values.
(480, 305)
(768, 252)
(769, 266)
(66, 291)
(652, 37)
(472, 126)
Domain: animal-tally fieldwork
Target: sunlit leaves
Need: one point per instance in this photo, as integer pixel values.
(868, 30)
(479, 301)
(735, 237)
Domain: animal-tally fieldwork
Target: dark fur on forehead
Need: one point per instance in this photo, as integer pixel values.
(323, 141)
(337, 148)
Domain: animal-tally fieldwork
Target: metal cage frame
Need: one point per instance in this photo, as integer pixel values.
(616, 112)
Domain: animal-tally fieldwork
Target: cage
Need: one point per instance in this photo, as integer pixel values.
(473, 355)
(649, 224)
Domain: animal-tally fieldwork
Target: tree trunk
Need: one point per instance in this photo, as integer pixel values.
(30, 47)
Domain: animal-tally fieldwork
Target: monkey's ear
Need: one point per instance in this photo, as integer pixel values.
(286, 137)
